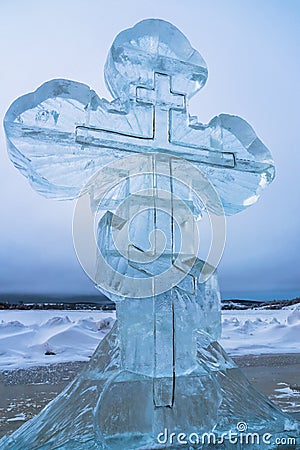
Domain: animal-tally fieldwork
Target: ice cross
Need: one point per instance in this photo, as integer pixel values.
(62, 134)
(163, 100)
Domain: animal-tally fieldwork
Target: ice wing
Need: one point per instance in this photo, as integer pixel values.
(41, 135)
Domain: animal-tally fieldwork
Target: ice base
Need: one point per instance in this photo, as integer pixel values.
(107, 407)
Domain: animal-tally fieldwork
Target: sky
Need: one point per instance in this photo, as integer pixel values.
(252, 52)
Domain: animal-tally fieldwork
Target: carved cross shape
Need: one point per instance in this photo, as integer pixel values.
(60, 135)
(164, 101)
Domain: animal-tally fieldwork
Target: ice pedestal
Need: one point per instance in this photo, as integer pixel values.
(111, 403)
(145, 396)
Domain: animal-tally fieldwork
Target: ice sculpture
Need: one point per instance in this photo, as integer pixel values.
(159, 379)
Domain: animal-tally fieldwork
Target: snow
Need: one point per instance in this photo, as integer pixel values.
(26, 336)
(259, 331)
(31, 338)
(21, 416)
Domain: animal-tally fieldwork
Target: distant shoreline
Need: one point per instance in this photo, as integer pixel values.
(99, 302)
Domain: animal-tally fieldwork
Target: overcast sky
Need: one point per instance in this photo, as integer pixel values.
(252, 52)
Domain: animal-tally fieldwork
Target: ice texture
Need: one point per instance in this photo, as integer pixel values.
(160, 367)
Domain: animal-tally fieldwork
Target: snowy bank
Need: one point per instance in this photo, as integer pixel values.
(37, 337)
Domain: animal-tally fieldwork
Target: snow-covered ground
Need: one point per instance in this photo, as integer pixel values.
(254, 332)
(26, 336)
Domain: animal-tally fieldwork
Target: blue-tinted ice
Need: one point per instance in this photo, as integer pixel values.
(161, 366)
